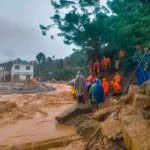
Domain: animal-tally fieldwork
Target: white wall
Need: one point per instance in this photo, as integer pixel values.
(1, 73)
(22, 71)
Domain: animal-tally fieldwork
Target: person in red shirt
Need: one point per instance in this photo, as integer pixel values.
(106, 88)
(95, 68)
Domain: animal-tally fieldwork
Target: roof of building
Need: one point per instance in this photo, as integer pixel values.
(17, 62)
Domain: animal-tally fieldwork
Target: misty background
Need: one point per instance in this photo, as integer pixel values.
(20, 35)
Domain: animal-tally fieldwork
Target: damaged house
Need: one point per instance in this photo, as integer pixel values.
(16, 71)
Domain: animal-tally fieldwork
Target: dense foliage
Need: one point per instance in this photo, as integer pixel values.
(97, 30)
(61, 69)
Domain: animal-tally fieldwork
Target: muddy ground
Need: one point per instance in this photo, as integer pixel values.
(20, 107)
(27, 121)
(30, 118)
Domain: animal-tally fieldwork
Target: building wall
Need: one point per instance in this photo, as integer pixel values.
(1, 73)
(21, 73)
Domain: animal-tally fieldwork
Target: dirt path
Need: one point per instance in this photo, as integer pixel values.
(31, 118)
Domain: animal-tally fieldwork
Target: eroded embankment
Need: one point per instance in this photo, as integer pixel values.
(118, 125)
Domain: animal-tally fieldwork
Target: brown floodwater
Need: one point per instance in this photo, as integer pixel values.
(38, 129)
(32, 119)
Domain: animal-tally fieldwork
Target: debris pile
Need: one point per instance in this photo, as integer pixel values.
(118, 125)
(23, 88)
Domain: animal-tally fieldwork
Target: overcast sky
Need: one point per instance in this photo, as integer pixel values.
(20, 36)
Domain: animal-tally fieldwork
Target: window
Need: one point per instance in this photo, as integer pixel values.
(27, 67)
(17, 67)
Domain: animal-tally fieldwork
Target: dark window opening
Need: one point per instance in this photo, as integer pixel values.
(17, 67)
(27, 67)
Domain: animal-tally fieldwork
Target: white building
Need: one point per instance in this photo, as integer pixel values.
(16, 71)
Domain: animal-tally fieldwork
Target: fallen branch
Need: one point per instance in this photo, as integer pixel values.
(91, 138)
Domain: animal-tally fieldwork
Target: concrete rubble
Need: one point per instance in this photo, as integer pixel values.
(121, 126)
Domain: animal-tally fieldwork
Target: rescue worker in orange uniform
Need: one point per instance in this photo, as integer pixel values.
(116, 86)
(105, 64)
(34, 81)
(121, 54)
(109, 62)
(117, 78)
(106, 88)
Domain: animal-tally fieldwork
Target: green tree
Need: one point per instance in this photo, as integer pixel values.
(41, 57)
(84, 25)
(18, 59)
(128, 25)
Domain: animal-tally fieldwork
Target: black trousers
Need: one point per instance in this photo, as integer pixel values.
(81, 99)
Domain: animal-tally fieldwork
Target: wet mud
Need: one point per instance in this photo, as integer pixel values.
(31, 118)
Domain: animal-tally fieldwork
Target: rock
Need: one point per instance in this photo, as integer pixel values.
(134, 89)
(111, 129)
(146, 87)
(135, 129)
(140, 100)
(135, 132)
(146, 111)
(73, 111)
(126, 99)
(104, 113)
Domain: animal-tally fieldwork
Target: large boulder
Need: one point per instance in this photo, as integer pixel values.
(146, 111)
(134, 89)
(140, 100)
(74, 110)
(102, 114)
(111, 129)
(135, 129)
(146, 87)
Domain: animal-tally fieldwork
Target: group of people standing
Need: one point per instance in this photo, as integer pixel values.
(93, 89)
(100, 67)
